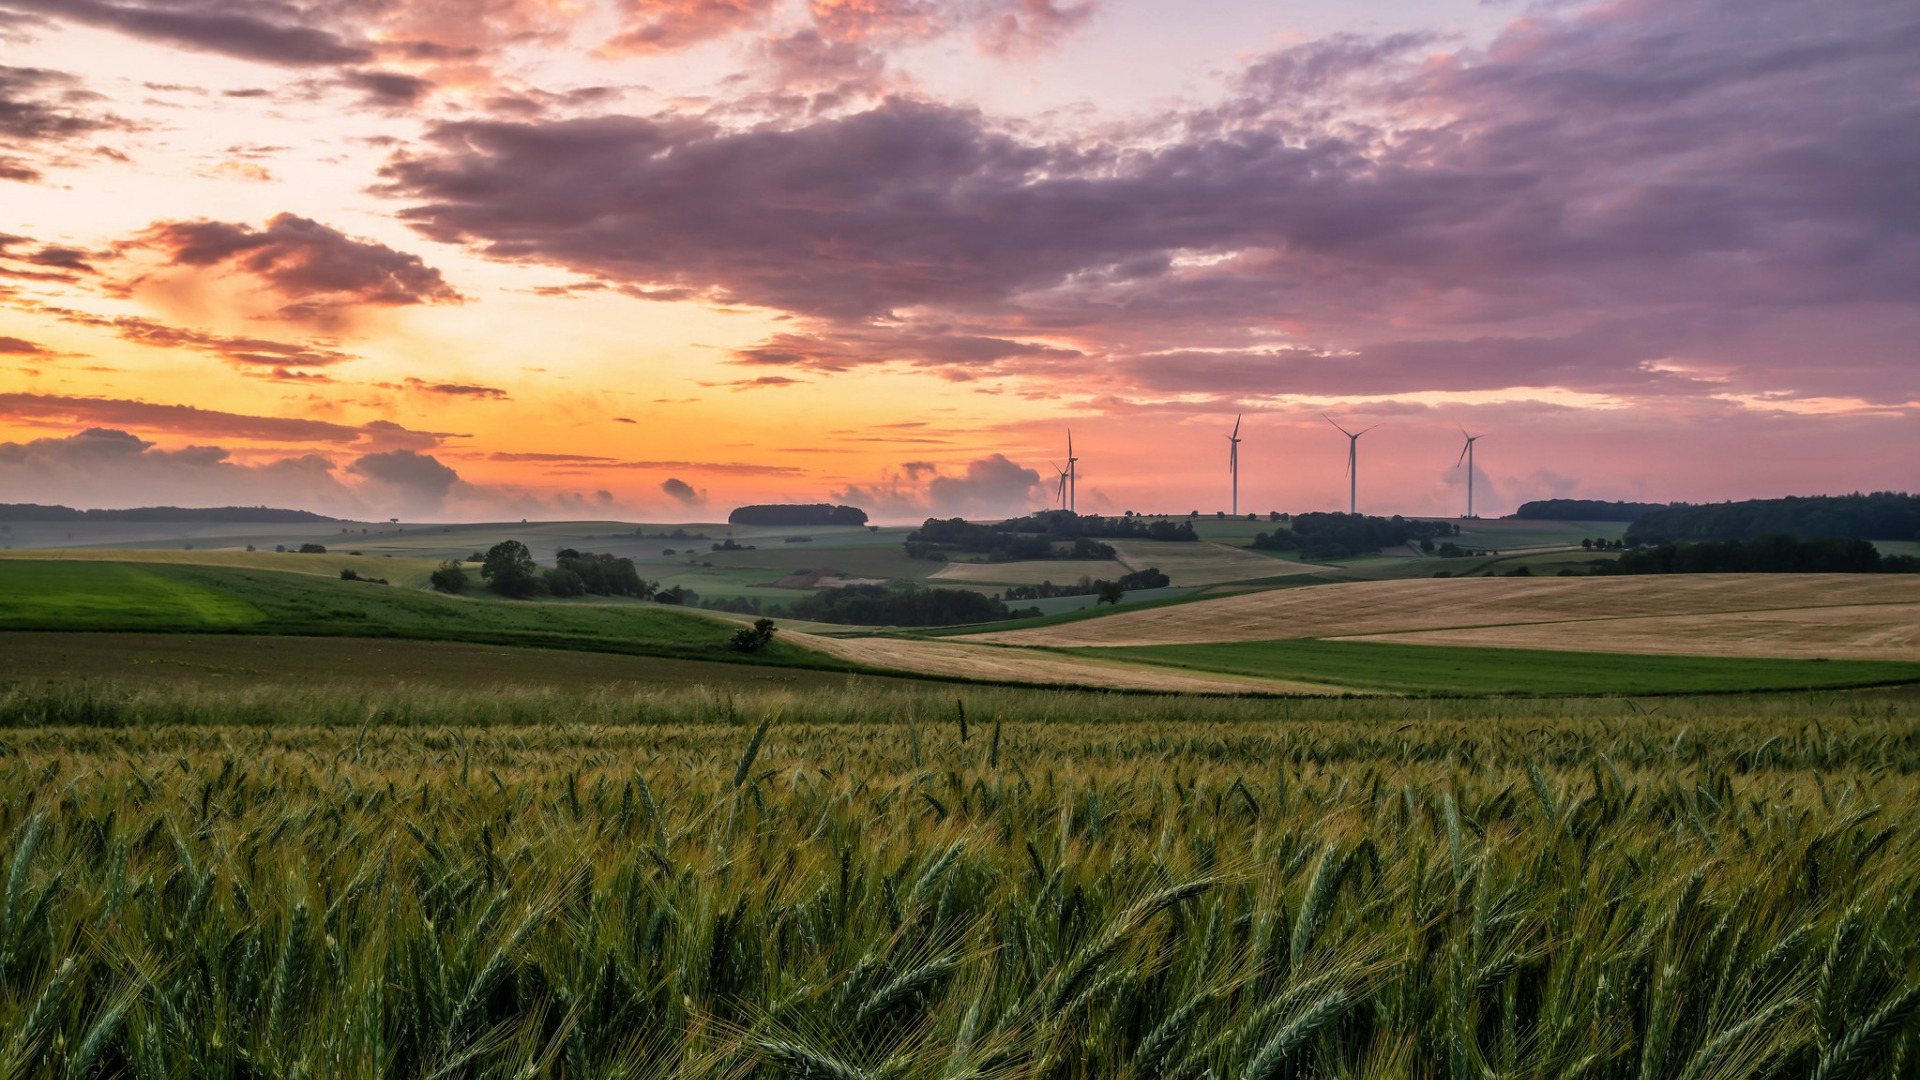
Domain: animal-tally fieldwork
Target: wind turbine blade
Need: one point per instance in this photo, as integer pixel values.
(1236, 428)
(1463, 454)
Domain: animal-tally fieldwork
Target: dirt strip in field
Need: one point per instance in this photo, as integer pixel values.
(1863, 632)
(986, 662)
(1203, 563)
(1397, 607)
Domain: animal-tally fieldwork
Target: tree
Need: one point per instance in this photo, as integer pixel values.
(1111, 592)
(451, 577)
(312, 549)
(508, 569)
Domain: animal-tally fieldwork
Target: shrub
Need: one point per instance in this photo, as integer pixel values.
(451, 577)
(313, 549)
(753, 638)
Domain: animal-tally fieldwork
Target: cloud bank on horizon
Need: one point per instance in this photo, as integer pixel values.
(653, 256)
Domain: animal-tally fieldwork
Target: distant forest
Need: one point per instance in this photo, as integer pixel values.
(1586, 510)
(797, 514)
(168, 514)
(1883, 515)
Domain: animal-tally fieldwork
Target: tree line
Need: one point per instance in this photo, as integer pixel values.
(1586, 510)
(1150, 578)
(797, 514)
(1760, 555)
(1049, 534)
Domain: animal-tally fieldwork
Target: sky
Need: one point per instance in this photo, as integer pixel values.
(653, 259)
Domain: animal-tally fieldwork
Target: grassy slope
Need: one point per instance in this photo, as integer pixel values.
(357, 665)
(124, 597)
(1456, 670)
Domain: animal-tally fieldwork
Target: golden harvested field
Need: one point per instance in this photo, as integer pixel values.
(1858, 632)
(399, 571)
(1030, 572)
(1203, 563)
(946, 659)
(1399, 607)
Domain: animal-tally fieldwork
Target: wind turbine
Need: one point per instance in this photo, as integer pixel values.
(1233, 463)
(1466, 455)
(1062, 493)
(1353, 460)
(1073, 476)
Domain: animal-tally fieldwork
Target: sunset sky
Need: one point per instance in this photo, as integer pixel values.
(650, 259)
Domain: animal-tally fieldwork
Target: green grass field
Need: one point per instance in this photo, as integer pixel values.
(1442, 669)
(129, 597)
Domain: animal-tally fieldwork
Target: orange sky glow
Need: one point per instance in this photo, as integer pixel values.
(652, 259)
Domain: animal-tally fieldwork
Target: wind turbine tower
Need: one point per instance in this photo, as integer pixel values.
(1466, 455)
(1353, 461)
(1073, 476)
(1233, 463)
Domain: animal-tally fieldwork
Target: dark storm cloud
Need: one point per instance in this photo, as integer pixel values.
(389, 89)
(13, 346)
(195, 422)
(316, 269)
(682, 492)
(42, 110)
(271, 33)
(406, 477)
(1704, 164)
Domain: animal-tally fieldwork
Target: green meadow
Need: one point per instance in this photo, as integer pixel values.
(1449, 669)
(105, 596)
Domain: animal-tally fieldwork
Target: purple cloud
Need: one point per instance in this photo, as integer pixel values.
(1602, 200)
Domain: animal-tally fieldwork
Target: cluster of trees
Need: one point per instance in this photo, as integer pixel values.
(1339, 536)
(1883, 515)
(508, 569)
(351, 575)
(1760, 555)
(901, 604)
(1150, 578)
(1049, 534)
(797, 514)
(257, 514)
(582, 572)
(1586, 510)
(1604, 545)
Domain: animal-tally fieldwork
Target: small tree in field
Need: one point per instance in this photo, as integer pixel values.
(451, 577)
(508, 569)
(1111, 592)
(755, 637)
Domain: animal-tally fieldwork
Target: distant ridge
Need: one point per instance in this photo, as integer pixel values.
(160, 514)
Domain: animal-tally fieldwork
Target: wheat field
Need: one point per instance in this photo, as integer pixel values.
(245, 882)
(1431, 604)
